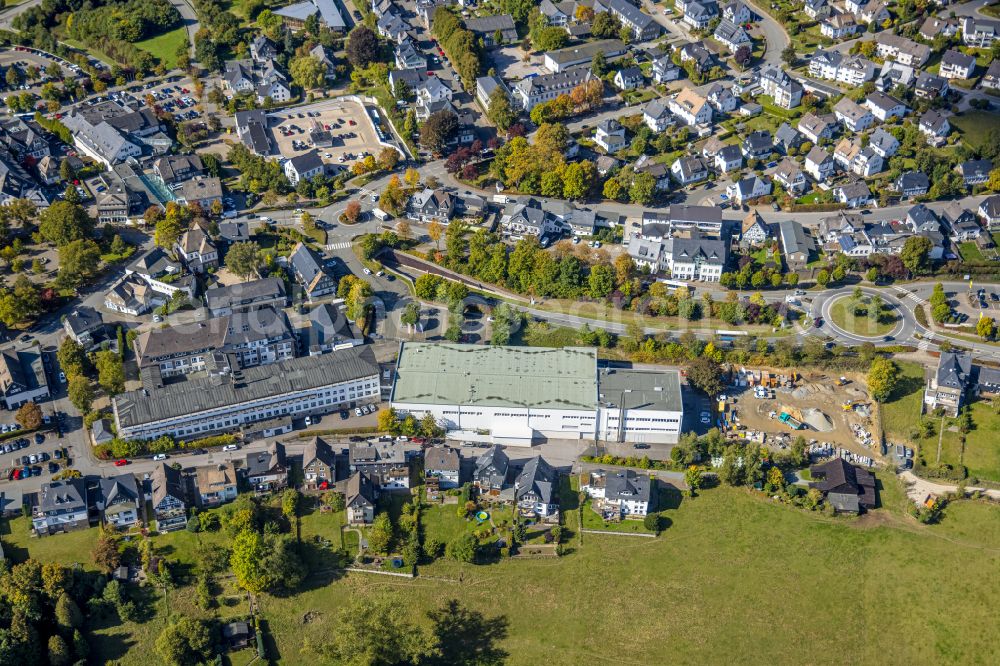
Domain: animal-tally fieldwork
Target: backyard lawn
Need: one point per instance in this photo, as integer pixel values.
(982, 444)
(901, 411)
(970, 251)
(166, 45)
(974, 125)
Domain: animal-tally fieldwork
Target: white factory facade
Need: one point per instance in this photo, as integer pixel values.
(516, 395)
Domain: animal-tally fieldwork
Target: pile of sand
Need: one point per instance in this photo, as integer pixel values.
(817, 420)
(801, 393)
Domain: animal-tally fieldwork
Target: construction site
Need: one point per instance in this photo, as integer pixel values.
(832, 412)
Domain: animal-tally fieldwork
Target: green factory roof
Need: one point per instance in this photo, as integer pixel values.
(537, 377)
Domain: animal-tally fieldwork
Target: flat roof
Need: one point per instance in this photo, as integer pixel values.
(536, 377)
(658, 390)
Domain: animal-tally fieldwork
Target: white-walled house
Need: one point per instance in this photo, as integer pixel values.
(618, 494)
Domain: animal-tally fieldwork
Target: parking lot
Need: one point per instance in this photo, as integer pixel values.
(31, 455)
(350, 131)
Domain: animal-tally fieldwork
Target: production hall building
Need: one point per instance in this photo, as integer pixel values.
(517, 395)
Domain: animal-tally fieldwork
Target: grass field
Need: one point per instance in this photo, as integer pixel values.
(165, 46)
(969, 251)
(974, 125)
(901, 411)
(981, 453)
(841, 312)
(733, 567)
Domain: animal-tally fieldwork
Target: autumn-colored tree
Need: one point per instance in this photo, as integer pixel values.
(352, 212)
(436, 231)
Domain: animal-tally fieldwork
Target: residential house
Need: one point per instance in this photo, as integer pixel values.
(487, 28)
(442, 463)
(22, 377)
(247, 296)
(120, 502)
(957, 65)
(782, 88)
(855, 194)
(979, 32)
(306, 166)
(319, 465)
(867, 163)
(749, 188)
(329, 330)
(690, 107)
(687, 170)
(386, 464)
(796, 244)
(531, 220)
(629, 78)
(731, 35)
(531, 92)
(845, 152)
(838, 26)
(575, 57)
(699, 56)
(359, 497)
(883, 143)
(975, 172)
(729, 158)
(911, 184)
(215, 484)
(884, 107)
(874, 12)
(658, 170)
(267, 470)
(431, 206)
(846, 487)
(931, 86)
(922, 219)
(947, 386)
(935, 125)
(409, 56)
(169, 506)
(790, 176)
(699, 14)
(85, 326)
(757, 145)
(196, 249)
(816, 128)
(901, 49)
(816, 9)
(175, 169)
(536, 489)
(737, 12)
(251, 128)
(695, 258)
(610, 135)
(989, 211)
(664, 70)
(754, 230)
(936, 25)
(641, 25)
(656, 115)
(961, 223)
(853, 116)
(819, 164)
(722, 99)
(491, 472)
(62, 507)
(991, 79)
(787, 138)
(894, 74)
(485, 85)
(308, 269)
(618, 494)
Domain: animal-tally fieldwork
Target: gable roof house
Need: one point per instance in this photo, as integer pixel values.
(746, 189)
(486, 28)
(729, 158)
(169, 507)
(431, 206)
(838, 26)
(957, 65)
(757, 144)
(267, 470)
(642, 26)
(731, 35)
(790, 176)
(319, 465)
(975, 172)
(531, 92)
(819, 164)
(360, 496)
(656, 115)
(961, 223)
(306, 166)
(491, 471)
(619, 493)
(100, 141)
(536, 489)
(782, 88)
(815, 127)
(690, 107)
(22, 377)
(610, 135)
(722, 98)
(687, 170)
(699, 14)
(979, 32)
(947, 386)
(215, 484)
(796, 244)
(855, 194)
(753, 229)
(442, 463)
(696, 53)
(84, 325)
(695, 258)
(737, 12)
(310, 273)
(849, 489)
(989, 210)
(991, 79)
(251, 128)
(329, 330)
(196, 249)
(246, 296)
(387, 464)
(816, 9)
(62, 507)
(931, 86)
(883, 143)
(912, 184)
(408, 56)
(629, 78)
(664, 70)
(528, 219)
(173, 169)
(935, 124)
(786, 138)
(901, 49)
(854, 116)
(120, 500)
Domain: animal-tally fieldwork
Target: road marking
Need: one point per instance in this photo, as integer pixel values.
(339, 246)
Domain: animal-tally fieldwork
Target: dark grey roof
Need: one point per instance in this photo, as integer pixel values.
(920, 215)
(912, 180)
(196, 395)
(711, 251)
(318, 449)
(360, 490)
(794, 238)
(154, 262)
(234, 232)
(539, 478)
(492, 467)
(953, 370)
(680, 213)
(441, 458)
(245, 293)
(63, 496)
(626, 485)
(118, 489)
(166, 483)
(267, 462)
(84, 319)
(306, 162)
(787, 136)
(957, 59)
(838, 477)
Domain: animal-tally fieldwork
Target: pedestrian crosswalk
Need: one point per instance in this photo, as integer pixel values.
(339, 246)
(908, 295)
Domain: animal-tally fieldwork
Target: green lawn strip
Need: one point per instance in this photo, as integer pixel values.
(68, 549)
(982, 444)
(901, 411)
(165, 46)
(842, 315)
(969, 251)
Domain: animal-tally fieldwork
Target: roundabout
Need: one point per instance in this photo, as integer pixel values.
(867, 317)
(836, 308)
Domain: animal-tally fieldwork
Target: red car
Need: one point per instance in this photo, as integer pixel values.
(121, 463)
(184, 91)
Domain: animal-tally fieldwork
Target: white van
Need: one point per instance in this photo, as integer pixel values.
(381, 214)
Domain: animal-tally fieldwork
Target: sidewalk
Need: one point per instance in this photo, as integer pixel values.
(918, 489)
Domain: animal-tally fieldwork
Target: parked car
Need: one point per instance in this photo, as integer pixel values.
(231, 447)
(344, 415)
(121, 462)
(358, 412)
(160, 456)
